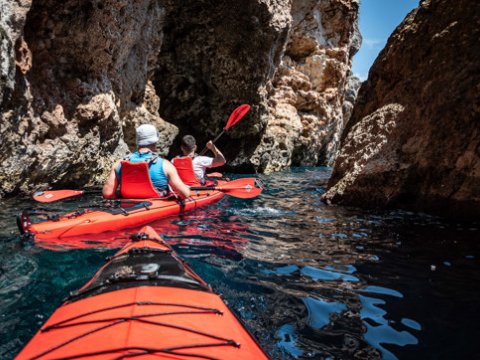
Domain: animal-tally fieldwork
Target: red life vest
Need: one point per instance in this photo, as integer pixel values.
(184, 166)
(135, 181)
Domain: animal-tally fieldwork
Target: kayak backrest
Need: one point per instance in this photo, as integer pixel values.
(135, 181)
(184, 166)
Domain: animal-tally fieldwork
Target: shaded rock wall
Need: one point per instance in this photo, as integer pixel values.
(290, 59)
(218, 54)
(414, 136)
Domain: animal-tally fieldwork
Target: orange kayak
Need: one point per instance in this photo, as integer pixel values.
(126, 215)
(145, 302)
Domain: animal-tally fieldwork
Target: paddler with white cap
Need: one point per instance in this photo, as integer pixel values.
(162, 172)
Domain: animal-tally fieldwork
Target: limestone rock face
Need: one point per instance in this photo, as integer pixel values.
(305, 100)
(12, 19)
(216, 56)
(81, 71)
(77, 77)
(290, 59)
(414, 137)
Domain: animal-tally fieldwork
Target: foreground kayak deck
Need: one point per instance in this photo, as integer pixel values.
(90, 221)
(144, 303)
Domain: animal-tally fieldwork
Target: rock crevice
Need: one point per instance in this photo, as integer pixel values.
(306, 97)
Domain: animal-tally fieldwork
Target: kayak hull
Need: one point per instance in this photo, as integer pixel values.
(132, 336)
(99, 221)
(165, 311)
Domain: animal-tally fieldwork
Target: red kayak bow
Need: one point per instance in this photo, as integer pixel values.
(146, 303)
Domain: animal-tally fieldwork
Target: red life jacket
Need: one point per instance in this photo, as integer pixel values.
(184, 166)
(135, 181)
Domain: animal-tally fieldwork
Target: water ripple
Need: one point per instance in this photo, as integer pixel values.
(325, 275)
(309, 281)
(319, 311)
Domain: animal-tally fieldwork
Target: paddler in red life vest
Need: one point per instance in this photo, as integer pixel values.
(198, 163)
(161, 172)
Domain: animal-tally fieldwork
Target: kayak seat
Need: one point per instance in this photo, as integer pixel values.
(135, 181)
(184, 166)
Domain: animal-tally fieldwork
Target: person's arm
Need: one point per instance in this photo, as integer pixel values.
(218, 159)
(109, 190)
(174, 180)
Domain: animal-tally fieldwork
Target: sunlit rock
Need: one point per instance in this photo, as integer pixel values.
(312, 78)
(81, 67)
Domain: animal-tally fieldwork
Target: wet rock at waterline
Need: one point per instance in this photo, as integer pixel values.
(414, 137)
(77, 77)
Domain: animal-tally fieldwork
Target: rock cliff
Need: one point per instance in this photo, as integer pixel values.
(81, 79)
(307, 93)
(77, 77)
(414, 137)
(216, 56)
(290, 59)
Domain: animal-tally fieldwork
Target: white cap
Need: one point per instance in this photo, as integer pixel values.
(146, 135)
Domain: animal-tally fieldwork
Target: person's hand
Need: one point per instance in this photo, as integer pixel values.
(210, 145)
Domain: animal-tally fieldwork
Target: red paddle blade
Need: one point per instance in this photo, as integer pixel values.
(236, 115)
(243, 188)
(54, 195)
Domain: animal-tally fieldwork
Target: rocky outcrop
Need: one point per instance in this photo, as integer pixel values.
(217, 55)
(77, 77)
(290, 59)
(12, 19)
(414, 137)
(305, 99)
(81, 74)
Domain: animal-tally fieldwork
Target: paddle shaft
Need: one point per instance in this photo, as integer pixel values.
(234, 117)
(242, 188)
(197, 188)
(214, 141)
(218, 136)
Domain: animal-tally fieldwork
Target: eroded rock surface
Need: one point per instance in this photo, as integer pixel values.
(414, 137)
(305, 100)
(216, 56)
(82, 70)
(77, 77)
(12, 19)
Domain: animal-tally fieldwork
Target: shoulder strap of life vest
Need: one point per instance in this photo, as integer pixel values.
(184, 166)
(135, 181)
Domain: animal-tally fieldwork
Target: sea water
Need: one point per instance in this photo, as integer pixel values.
(309, 281)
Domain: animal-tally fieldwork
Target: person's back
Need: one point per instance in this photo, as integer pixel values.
(161, 172)
(155, 168)
(200, 163)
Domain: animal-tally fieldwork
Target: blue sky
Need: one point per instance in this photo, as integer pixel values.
(378, 19)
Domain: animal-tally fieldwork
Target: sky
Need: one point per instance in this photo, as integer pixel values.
(378, 19)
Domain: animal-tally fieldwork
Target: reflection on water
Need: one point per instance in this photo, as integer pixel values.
(309, 281)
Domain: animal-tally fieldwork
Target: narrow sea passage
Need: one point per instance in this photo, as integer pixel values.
(310, 281)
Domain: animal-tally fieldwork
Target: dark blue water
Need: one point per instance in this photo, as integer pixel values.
(308, 280)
